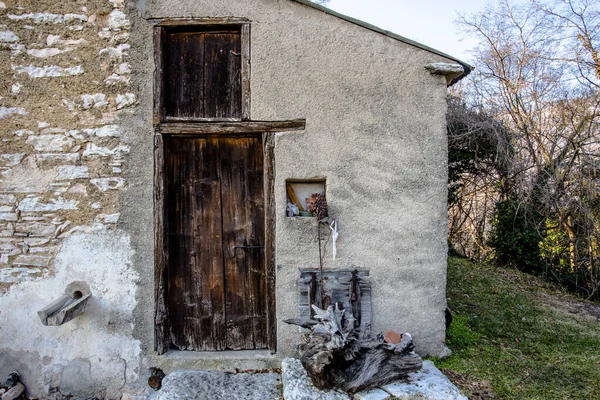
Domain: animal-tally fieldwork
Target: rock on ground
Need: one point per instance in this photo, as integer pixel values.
(427, 384)
(298, 386)
(216, 385)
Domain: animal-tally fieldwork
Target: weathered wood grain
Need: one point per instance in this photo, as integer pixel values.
(184, 78)
(335, 357)
(159, 43)
(270, 219)
(245, 71)
(340, 286)
(243, 227)
(200, 21)
(230, 127)
(196, 298)
(162, 338)
(222, 70)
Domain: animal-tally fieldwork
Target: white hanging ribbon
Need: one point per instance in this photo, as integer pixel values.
(334, 235)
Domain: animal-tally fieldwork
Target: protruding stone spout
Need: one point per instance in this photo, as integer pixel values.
(68, 306)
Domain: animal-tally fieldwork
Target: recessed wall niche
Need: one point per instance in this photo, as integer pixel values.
(299, 190)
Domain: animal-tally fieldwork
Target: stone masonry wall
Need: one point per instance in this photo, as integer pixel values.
(65, 80)
(65, 90)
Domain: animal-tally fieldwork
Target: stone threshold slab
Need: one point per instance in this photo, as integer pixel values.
(427, 384)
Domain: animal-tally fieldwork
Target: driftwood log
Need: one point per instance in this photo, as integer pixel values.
(334, 356)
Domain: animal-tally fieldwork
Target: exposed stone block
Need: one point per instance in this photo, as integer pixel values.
(15, 88)
(108, 218)
(48, 71)
(92, 151)
(123, 68)
(117, 19)
(34, 204)
(47, 52)
(50, 142)
(78, 189)
(93, 100)
(6, 247)
(111, 183)
(35, 242)
(125, 100)
(7, 199)
(8, 37)
(117, 51)
(52, 40)
(22, 132)
(12, 275)
(39, 18)
(35, 229)
(9, 216)
(32, 261)
(58, 157)
(115, 79)
(10, 160)
(6, 112)
(104, 131)
(68, 172)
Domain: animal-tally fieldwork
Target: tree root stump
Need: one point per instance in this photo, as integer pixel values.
(335, 358)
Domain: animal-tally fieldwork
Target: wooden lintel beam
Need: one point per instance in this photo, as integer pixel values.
(197, 21)
(229, 127)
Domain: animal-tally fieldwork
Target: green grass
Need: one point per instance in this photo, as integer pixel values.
(514, 336)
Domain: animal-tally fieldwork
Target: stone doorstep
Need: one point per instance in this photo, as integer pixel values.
(215, 385)
(427, 384)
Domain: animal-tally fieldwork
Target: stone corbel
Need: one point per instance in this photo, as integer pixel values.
(450, 71)
(68, 306)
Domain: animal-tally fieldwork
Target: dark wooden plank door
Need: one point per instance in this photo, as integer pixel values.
(216, 293)
(203, 75)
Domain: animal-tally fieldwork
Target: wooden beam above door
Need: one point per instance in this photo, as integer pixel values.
(229, 127)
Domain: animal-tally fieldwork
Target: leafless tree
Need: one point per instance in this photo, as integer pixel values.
(538, 73)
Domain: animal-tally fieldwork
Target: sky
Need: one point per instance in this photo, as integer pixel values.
(429, 22)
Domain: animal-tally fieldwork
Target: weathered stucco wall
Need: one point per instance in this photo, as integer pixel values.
(76, 188)
(66, 85)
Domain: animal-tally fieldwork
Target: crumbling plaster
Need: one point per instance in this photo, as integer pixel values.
(62, 166)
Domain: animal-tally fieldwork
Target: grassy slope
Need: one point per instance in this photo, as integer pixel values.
(517, 337)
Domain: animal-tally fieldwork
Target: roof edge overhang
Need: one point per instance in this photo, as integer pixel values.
(467, 68)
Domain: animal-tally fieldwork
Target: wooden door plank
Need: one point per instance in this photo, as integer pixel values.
(270, 215)
(222, 70)
(245, 71)
(243, 225)
(195, 270)
(162, 338)
(159, 61)
(230, 127)
(184, 86)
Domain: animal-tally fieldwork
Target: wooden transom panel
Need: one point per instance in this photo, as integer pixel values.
(203, 74)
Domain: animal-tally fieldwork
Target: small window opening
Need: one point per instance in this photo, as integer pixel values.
(300, 195)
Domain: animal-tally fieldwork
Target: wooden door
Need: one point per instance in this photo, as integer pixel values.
(214, 222)
(203, 72)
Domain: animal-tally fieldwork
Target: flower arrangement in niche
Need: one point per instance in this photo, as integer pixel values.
(318, 206)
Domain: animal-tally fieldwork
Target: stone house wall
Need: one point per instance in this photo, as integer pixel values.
(76, 178)
(65, 73)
